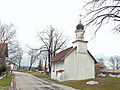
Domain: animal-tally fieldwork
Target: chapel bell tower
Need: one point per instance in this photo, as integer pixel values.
(79, 42)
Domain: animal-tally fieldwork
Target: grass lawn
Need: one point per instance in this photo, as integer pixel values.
(43, 76)
(37, 74)
(5, 82)
(105, 83)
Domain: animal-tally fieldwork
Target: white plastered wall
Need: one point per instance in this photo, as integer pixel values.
(70, 66)
(56, 66)
(90, 67)
(78, 66)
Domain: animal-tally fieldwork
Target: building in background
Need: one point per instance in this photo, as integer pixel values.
(98, 67)
(11, 65)
(109, 73)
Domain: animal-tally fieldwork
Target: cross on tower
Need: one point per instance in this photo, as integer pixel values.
(80, 17)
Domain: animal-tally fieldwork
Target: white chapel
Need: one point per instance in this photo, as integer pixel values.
(76, 62)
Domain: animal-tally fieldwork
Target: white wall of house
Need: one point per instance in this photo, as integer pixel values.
(13, 67)
(81, 66)
(76, 66)
(79, 69)
(81, 47)
(90, 67)
(70, 67)
(56, 66)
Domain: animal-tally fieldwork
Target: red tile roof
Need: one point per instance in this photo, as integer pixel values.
(80, 41)
(102, 66)
(9, 61)
(61, 55)
(110, 71)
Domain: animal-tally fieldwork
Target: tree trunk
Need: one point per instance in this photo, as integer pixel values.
(45, 66)
(54, 53)
(30, 67)
(49, 63)
(19, 64)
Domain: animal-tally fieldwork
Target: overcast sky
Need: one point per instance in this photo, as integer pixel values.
(30, 16)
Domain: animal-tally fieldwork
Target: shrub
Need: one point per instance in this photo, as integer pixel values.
(3, 68)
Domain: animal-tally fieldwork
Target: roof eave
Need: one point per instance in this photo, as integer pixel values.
(92, 56)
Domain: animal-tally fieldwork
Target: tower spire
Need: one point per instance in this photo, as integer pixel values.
(79, 30)
(80, 18)
(80, 26)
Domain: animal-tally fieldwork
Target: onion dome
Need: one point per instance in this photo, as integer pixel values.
(80, 26)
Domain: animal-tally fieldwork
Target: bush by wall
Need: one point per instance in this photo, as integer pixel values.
(3, 68)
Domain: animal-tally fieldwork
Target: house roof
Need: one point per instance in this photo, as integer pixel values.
(61, 55)
(110, 71)
(99, 65)
(92, 56)
(80, 41)
(11, 62)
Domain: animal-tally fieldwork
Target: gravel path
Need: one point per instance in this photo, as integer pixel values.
(25, 81)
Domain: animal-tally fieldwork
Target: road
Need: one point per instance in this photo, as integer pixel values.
(25, 81)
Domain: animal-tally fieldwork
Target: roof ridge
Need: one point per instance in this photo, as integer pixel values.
(61, 54)
(65, 49)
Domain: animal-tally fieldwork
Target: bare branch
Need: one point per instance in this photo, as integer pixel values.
(101, 11)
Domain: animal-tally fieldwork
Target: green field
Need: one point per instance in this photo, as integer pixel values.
(5, 82)
(105, 84)
(37, 74)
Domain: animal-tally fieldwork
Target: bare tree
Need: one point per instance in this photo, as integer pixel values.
(53, 41)
(101, 61)
(3, 53)
(114, 62)
(20, 54)
(40, 66)
(43, 55)
(33, 57)
(46, 65)
(7, 33)
(15, 53)
(99, 12)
